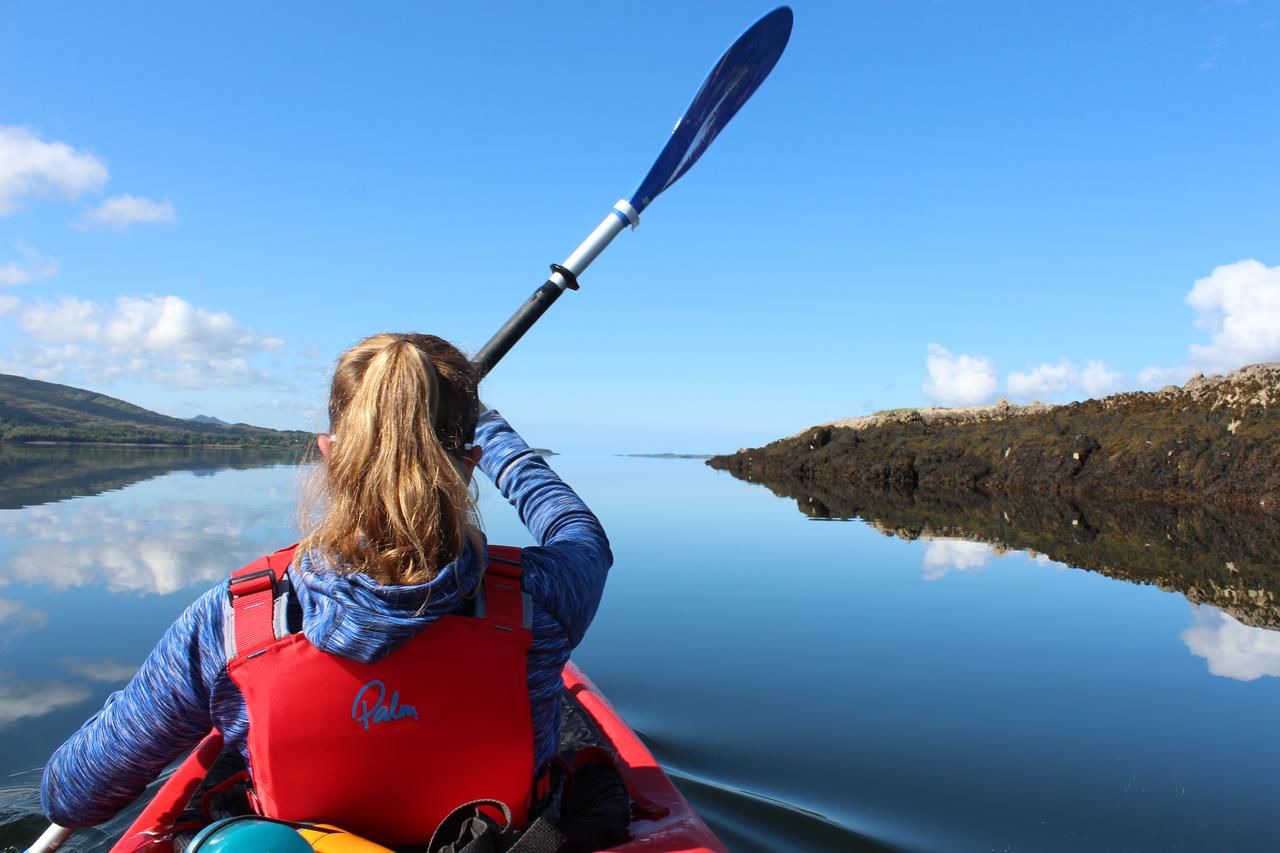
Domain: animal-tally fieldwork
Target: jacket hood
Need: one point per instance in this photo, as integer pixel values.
(353, 616)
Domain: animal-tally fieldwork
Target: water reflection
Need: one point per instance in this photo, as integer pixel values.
(17, 618)
(23, 700)
(1227, 558)
(1233, 650)
(955, 555)
(27, 698)
(150, 549)
(101, 671)
(99, 568)
(36, 474)
(996, 707)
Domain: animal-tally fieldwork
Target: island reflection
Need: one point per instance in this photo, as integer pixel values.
(1224, 557)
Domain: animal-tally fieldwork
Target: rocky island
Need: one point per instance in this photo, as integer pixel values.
(1215, 439)
(1177, 488)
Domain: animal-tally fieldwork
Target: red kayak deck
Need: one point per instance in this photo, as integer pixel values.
(663, 821)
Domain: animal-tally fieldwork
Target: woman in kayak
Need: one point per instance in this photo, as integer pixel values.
(395, 666)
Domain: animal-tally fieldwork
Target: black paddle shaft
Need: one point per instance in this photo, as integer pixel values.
(502, 342)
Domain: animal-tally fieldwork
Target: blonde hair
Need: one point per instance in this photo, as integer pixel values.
(397, 504)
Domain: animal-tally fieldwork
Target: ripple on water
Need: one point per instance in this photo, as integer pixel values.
(749, 822)
(22, 820)
(746, 820)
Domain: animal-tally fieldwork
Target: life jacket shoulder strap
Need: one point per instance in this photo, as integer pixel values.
(255, 598)
(504, 601)
(255, 613)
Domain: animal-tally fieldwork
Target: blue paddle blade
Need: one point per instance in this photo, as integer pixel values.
(734, 79)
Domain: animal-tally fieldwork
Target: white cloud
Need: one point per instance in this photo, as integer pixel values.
(1064, 379)
(1158, 377)
(959, 380)
(8, 304)
(1098, 380)
(50, 364)
(29, 166)
(164, 338)
(69, 320)
(121, 211)
(1045, 381)
(955, 555)
(32, 266)
(35, 699)
(1239, 306)
(1233, 649)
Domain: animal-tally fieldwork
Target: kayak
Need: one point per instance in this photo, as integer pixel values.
(662, 820)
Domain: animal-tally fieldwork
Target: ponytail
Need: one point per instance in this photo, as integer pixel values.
(399, 506)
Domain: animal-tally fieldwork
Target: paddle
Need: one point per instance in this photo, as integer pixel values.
(731, 82)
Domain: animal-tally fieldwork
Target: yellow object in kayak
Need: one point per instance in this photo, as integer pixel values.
(329, 839)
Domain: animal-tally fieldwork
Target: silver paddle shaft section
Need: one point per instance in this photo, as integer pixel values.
(622, 215)
(52, 838)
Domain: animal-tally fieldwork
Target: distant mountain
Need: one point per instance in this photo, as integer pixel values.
(209, 419)
(666, 455)
(32, 411)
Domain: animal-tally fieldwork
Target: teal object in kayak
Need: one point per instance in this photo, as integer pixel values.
(248, 834)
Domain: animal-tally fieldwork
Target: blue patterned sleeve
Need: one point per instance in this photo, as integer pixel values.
(566, 571)
(161, 713)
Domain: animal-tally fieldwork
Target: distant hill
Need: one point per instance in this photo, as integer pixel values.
(666, 455)
(32, 411)
(209, 419)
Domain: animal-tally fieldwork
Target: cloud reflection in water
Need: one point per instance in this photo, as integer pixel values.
(101, 671)
(28, 700)
(148, 550)
(955, 555)
(1233, 649)
(17, 618)
(25, 699)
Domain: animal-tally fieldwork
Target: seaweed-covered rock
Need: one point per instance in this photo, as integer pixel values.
(1216, 439)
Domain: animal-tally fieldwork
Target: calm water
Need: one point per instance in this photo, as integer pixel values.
(813, 684)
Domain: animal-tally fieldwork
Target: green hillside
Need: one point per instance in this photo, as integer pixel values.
(31, 411)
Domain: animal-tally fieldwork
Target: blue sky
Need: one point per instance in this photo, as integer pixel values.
(927, 202)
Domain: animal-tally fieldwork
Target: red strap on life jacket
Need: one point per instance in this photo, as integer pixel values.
(504, 560)
(504, 600)
(253, 595)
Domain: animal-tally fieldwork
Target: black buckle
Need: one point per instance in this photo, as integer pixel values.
(253, 576)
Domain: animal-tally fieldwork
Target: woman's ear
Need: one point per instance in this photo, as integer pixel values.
(323, 444)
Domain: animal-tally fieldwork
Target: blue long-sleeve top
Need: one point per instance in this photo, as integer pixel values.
(182, 690)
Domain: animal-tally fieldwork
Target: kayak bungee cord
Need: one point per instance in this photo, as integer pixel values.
(731, 82)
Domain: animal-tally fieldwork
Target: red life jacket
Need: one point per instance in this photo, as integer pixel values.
(386, 750)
